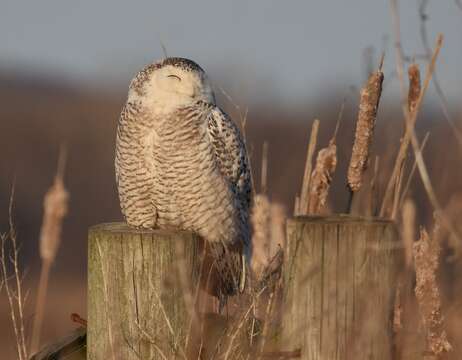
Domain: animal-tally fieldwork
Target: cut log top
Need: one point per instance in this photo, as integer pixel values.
(124, 228)
(341, 219)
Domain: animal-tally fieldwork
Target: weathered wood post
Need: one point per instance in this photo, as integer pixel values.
(340, 278)
(137, 285)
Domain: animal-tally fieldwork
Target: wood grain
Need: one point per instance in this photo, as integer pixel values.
(340, 277)
(139, 283)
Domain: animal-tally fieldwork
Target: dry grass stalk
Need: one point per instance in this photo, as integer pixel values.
(55, 208)
(277, 228)
(411, 174)
(304, 197)
(321, 178)
(398, 309)
(412, 98)
(410, 118)
(426, 258)
(14, 292)
(297, 205)
(397, 192)
(264, 168)
(261, 215)
(372, 208)
(414, 87)
(410, 136)
(369, 102)
(408, 233)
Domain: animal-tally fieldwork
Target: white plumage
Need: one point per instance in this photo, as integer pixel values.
(181, 163)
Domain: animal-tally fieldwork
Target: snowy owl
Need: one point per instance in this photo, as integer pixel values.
(181, 163)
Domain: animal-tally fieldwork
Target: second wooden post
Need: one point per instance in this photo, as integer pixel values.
(340, 279)
(139, 283)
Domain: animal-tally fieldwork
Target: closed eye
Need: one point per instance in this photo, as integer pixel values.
(175, 77)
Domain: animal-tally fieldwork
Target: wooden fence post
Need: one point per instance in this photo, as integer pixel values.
(340, 278)
(138, 286)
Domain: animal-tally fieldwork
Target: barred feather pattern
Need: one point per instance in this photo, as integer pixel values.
(187, 170)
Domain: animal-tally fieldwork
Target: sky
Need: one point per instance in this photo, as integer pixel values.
(255, 48)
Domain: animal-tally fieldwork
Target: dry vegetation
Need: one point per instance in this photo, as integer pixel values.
(404, 185)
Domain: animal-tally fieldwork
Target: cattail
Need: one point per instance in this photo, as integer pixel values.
(369, 102)
(414, 87)
(302, 207)
(321, 178)
(426, 259)
(55, 208)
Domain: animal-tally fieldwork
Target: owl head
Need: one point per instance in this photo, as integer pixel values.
(170, 84)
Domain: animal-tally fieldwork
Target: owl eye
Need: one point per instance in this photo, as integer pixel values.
(175, 77)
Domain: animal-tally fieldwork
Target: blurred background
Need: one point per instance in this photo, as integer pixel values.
(64, 74)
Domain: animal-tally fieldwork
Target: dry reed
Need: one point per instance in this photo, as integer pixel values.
(264, 168)
(412, 172)
(55, 208)
(261, 217)
(368, 105)
(321, 178)
(303, 205)
(372, 208)
(426, 258)
(410, 119)
(297, 205)
(408, 233)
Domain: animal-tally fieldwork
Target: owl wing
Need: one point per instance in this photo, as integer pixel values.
(228, 145)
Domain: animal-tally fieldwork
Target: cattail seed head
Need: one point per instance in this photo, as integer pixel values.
(369, 102)
(414, 86)
(321, 178)
(426, 259)
(55, 208)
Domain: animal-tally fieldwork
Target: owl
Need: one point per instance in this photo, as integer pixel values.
(181, 163)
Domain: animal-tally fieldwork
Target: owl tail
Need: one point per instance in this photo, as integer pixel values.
(225, 271)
